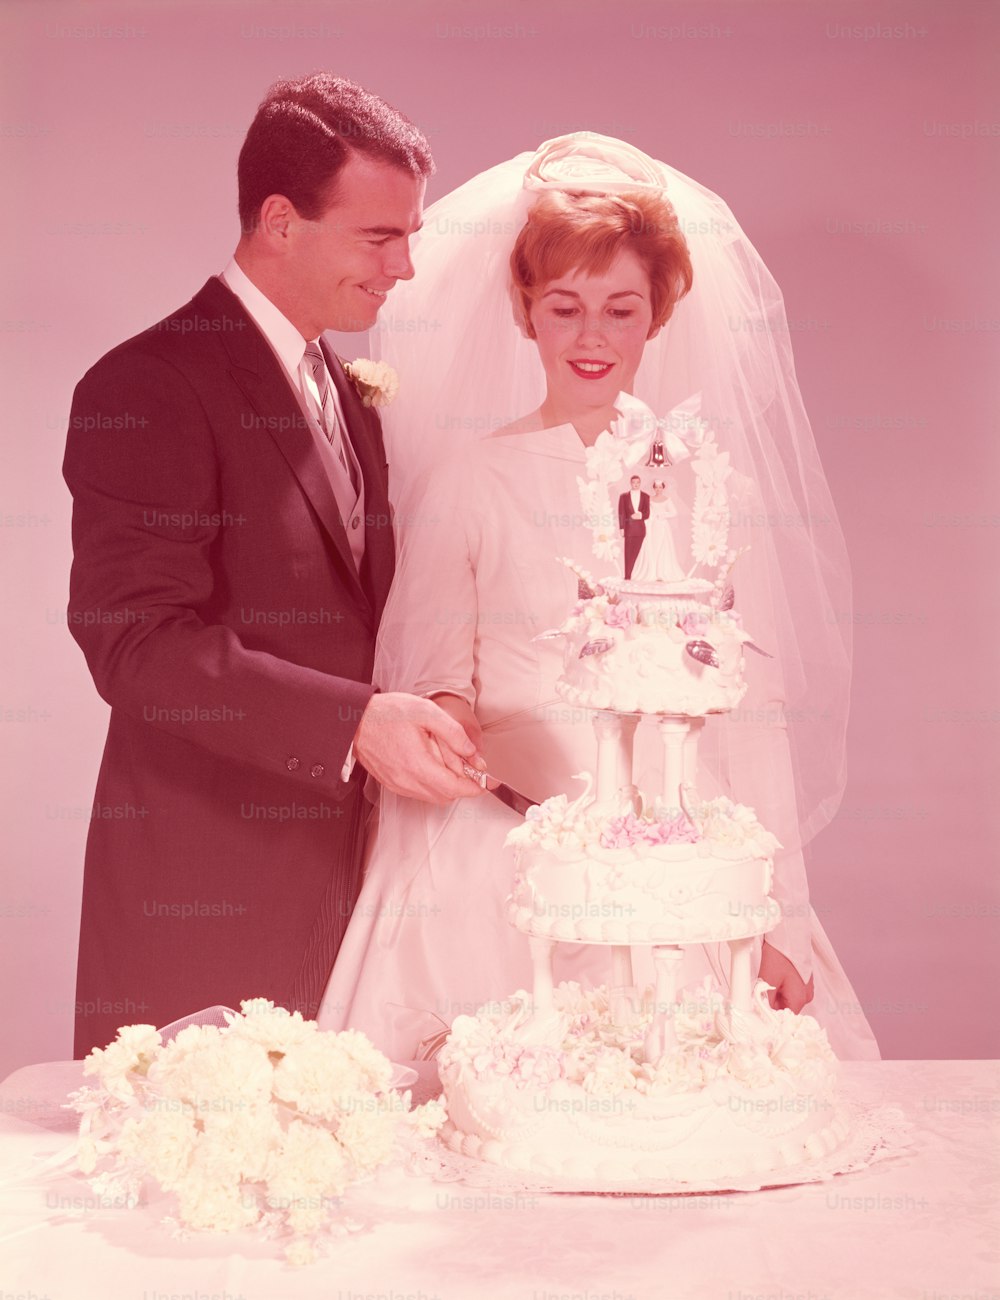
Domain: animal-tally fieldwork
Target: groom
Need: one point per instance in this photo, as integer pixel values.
(232, 555)
(633, 511)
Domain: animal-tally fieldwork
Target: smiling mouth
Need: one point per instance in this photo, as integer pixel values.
(375, 293)
(590, 369)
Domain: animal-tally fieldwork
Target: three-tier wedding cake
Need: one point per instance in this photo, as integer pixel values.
(617, 1084)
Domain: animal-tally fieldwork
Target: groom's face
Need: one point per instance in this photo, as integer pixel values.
(344, 263)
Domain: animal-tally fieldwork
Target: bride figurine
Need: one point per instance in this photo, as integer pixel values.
(658, 560)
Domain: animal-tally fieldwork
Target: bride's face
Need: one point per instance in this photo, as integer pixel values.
(591, 331)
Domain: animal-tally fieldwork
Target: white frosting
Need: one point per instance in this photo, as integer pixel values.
(585, 873)
(669, 893)
(568, 1091)
(737, 1097)
(628, 651)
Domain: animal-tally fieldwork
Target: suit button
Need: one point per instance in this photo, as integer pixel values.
(292, 764)
(317, 769)
(355, 521)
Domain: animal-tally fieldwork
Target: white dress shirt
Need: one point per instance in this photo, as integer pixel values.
(289, 347)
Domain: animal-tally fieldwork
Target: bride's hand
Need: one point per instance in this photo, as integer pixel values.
(463, 714)
(788, 989)
(412, 747)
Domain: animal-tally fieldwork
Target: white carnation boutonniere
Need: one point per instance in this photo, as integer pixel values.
(376, 381)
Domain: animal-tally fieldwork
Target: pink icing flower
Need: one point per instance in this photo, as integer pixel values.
(623, 614)
(624, 832)
(537, 1067)
(695, 624)
(676, 830)
(492, 1060)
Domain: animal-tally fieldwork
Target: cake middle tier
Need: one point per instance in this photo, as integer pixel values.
(668, 894)
(584, 874)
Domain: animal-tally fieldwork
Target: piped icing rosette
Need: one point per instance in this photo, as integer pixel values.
(585, 825)
(668, 652)
(586, 1047)
(733, 1095)
(597, 873)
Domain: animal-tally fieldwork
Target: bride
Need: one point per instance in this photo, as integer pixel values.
(658, 557)
(592, 260)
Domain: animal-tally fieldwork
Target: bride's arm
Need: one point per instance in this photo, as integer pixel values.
(427, 637)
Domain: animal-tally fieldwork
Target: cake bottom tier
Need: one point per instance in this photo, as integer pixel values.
(571, 1094)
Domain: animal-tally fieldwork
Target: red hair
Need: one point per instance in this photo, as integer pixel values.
(566, 232)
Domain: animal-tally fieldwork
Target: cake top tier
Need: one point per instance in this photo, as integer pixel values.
(695, 588)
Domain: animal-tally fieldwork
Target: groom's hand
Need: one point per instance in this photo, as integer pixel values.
(414, 748)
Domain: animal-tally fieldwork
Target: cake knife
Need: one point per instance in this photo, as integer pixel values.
(520, 803)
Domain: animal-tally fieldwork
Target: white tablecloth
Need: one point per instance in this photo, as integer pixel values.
(922, 1225)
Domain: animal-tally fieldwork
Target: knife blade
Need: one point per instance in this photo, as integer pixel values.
(519, 803)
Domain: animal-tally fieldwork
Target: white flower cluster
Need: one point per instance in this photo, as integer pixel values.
(581, 1047)
(376, 381)
(263, 1123)
(710, 516)
(555, 823)
(751, 1050)
(604, 461)
(735, 824)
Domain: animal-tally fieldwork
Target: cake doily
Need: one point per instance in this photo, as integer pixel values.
(876, 1133)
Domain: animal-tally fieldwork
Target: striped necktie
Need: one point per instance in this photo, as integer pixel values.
(328, 410)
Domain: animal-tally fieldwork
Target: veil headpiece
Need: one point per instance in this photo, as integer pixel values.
(466, 371)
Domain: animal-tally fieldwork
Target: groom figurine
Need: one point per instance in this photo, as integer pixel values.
(232, 555)
(633, 511)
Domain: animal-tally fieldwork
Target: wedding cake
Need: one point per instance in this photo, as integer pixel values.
(666, 1084)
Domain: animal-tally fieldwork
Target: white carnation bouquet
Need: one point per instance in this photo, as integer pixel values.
(260, 1124)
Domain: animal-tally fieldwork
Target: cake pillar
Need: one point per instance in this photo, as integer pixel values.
(615, 737)
(541, 971)
(690, 758)
(661, 1037)
(740, 976)
(627, 724)
(622, 991)
(675, 733)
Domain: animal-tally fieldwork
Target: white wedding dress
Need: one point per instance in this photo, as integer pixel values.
(479, 578)
(657, 561)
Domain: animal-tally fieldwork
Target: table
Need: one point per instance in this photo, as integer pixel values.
(922, 1225)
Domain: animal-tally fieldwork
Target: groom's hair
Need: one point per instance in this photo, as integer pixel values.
(305, 131)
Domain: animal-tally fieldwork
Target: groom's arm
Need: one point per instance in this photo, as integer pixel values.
(140, 449)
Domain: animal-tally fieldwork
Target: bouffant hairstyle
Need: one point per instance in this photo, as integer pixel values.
(566, 232)
(304, 132)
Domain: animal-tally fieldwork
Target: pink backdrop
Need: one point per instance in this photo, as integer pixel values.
(857, 145)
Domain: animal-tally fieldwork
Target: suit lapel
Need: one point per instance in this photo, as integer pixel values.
(364, 431)
(264, 383)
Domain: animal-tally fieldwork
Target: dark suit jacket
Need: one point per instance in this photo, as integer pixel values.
(625, 519)
(215, 598)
